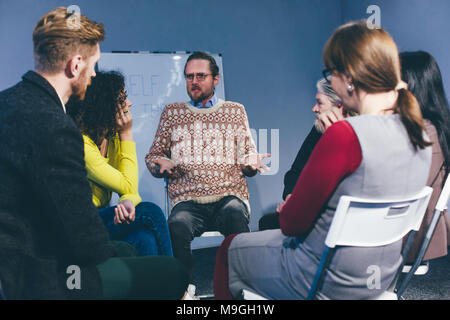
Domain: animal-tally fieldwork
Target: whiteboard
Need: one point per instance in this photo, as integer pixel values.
(152, 80)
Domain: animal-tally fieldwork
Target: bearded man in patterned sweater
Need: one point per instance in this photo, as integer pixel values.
(204, 148)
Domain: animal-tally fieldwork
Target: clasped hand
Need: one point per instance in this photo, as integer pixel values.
(125, 211)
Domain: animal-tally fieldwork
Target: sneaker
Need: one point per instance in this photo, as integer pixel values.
(421, 270)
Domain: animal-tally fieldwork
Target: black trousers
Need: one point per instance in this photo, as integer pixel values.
(189, 220)
(269, 221)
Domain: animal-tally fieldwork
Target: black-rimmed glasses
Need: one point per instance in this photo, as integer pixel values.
(198, 76)
(327, 74)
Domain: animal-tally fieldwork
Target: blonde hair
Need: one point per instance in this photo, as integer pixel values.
(370, 58)
(56, 39)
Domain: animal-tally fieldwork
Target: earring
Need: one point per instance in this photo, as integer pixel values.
(349, 88)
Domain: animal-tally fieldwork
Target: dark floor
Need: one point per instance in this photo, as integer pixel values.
(435, 285)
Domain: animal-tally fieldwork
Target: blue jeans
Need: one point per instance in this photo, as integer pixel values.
(148, 233)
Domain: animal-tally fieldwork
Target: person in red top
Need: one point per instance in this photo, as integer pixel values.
(360, 156)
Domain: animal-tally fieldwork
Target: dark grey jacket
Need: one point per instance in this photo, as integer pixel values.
(47, 219)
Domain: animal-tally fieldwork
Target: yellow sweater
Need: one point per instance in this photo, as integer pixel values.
(116, 173)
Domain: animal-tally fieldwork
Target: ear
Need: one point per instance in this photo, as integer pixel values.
(74, 66)
(216, 80)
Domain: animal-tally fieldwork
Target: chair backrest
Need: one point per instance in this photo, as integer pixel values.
(445, 194)
(370, 223)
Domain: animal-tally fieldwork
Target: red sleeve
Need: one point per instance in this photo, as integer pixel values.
(336, 155)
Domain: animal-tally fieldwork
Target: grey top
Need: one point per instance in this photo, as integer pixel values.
(390, 168)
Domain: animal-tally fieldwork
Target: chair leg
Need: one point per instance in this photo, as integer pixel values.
(166, 203)
(421, 253)
(319, 273)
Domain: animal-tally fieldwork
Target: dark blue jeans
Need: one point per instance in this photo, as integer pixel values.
(148, 233)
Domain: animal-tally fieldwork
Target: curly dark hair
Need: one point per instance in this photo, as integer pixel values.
(95, 116)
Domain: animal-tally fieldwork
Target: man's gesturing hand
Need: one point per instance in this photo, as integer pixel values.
(254, 162)
(165, 166)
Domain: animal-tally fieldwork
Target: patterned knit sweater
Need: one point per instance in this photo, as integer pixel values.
(209, 147)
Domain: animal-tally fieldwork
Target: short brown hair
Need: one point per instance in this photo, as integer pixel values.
(56, 40)
(204, 56)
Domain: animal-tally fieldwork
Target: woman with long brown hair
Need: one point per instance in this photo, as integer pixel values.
(383, 153)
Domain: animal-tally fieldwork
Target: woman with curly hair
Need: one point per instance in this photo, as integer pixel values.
(105, 120)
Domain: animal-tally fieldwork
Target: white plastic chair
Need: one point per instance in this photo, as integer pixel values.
(370, 223)
(440, 207)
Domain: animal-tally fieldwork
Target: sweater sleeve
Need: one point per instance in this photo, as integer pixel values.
(160, 148)
(246, 147)
(120, 173)
(337, 155)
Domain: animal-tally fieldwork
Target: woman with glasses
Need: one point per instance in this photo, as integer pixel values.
(421, 71)
(382, 153)
(105, 120)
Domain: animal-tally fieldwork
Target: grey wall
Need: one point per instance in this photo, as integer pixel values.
(271, 55)
(271, 51)
(414, 25)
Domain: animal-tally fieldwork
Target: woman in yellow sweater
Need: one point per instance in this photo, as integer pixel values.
(105, 120)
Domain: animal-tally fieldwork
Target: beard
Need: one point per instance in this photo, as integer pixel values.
(319, 126)
(79, 87)
(202, 95)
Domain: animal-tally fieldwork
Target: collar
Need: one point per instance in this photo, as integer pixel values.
(40, 81)
(62, 102)
(211, 102)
